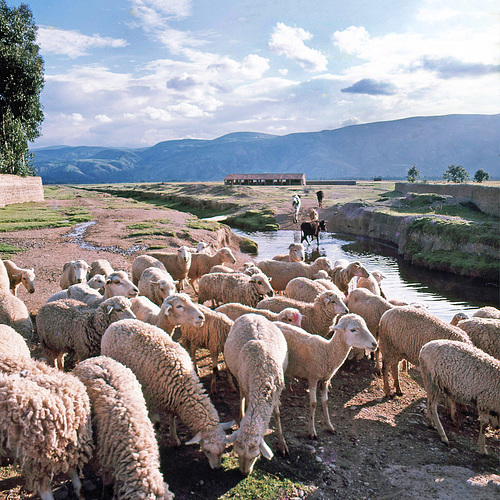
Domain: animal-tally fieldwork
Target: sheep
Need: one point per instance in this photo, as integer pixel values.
(466, 374)
(89, 292)
(311, 229)
(402, 333)
(487, 312)
(201, 247)
(13, 312)
(313, 215)
(71, 326)
(12, 344)
(118, 283)
(156, 284)
(126, 451)
(44, 422)
(211, 335)
(178, 309)
(143, 262)
(177, 264)
(256, 354)
(100, 266)
(4, 277)
(484, 334)
(169, 382)
(201, 263)
(317, 316)
(306, 290)
(145, 310)
(74, 271)
(457, 318)
(221, 268)
(221, 288)
(19, 275)
(296, 253)
(295, 207)
(317, 360)
(282, 272)
(372, 283)
(234, 310)
(342, 275)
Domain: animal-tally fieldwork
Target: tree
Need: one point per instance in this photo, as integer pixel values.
(413, 174)
(21, 82)
(481, 176)
(456, 173)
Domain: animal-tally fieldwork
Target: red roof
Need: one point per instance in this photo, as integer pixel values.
(230, 177)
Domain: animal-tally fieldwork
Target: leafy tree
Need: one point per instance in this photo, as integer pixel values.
(21, 81)
(481, 176)
(456, 173)
(413, 174)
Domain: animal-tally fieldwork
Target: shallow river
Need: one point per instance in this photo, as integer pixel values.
(445, 294)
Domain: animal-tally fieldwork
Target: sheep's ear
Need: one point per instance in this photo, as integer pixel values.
(265, 450)
(167, 308)
(194, 440)
(227, 425)
(154, 282)
(110, 310)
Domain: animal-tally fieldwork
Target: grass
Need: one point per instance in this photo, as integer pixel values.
(203, 224)
(254, 220)
(7, 251)
(154, 227)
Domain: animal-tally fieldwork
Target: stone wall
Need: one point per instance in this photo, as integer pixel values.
(486, 198)
(16, 189)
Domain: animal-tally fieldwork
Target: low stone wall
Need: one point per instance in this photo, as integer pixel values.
(16, 189)
(486, 198)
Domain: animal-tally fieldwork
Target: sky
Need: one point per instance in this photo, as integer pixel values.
(132, 73)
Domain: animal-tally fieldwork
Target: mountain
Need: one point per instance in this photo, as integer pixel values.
(381, 149)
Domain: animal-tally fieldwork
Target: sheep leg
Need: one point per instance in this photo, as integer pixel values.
(395, 376)
(215, 371)
(77, 485)
(481, 443)
(282, 446)
(378, 362)
(46, 494)
(191, 282)
(231, 380)
(172, 433)
(433, 417)
(312, 413)
(324, 404)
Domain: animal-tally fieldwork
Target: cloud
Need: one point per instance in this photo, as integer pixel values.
(72, 43)
(289, 42)
(449, 67)
(351, 40)
(154, 12)
(371, 87)
(181, 82)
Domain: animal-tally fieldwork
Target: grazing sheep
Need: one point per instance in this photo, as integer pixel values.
(234, 310)
(12, 344)
(466, 374)
(484, 334)
(317, 316)
(169, 382)
(221, 288)
(295, 207)
(487, 312)
(17, 275)
(13, 312)
(457, 318)
(177, 264)
(126, 451)
(100, 266)
(222, 269)
(143, 262)
(156, 284)
(282, 272)
(145, 310)
(71, 326)
(372, 283)
(44, 422)
(402, 333)
(306, 290)
(178, 309)
(317, 360)
(4, 277)
(256, 354)
(342, 275)
(201, 263)
(211, 335)
(296, 253)
(74, 271)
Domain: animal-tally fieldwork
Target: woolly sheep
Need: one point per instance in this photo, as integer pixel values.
(201, 247)
(342, 275)
(317, 360)
(256, 354)
(126, 450)
(295, 207)
(457, 318)
(18, 275)
(177, 264)
(143, 262)
(145, 310)
(89, 292)
(4, 278)
(466, 374)
(282, 272)
(100, 266)
(484, 334)
(71, 326)
(74, 271)
(169, 381)
(306, 290)
(178, 309)
(317, 316)
(201, 263)
(221, 288)
(13, 312)
(372, 283)
(156, 285)
(487, 312)
(296, 253)
(12, 344)
(221, 268)
(402, 333)
(118, 283)
(234, 310)
(44, 422)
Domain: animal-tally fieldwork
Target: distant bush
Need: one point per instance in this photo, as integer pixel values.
(456, 173)
(481, 176)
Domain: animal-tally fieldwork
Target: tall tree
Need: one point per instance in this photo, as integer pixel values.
(456, 173)
(21, 82)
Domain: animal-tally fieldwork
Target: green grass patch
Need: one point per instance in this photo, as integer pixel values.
(154, 227)
(207, 225)
(6, 250)
(254, 220)
(248, 246)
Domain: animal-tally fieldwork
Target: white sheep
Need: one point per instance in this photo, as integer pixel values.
(71, 326)
(18, 275)
(13, 312)
(234, 310)
(201, 247)
(118, 283)
(119, 415)
(296, 253)
(487, 312)
(342, 275)
(402, 333)
(221, 288)
(145, 310)
(100, 266)
(177, 264)
(372, 283)
(143, 262)
(484, 334)
(89, 292)
(169, 382)
(282, 272)
(178, 309)
(315, 359)
(156, 284)
(295, 207)
(317, 316)
(74, 271)
(221, 268)
(306, 290)
(12, 343)
(4, 277)
(457, 318)
(256, 354)
(466, 374)
(201, 263)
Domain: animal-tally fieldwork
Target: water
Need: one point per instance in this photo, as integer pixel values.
(444, 294)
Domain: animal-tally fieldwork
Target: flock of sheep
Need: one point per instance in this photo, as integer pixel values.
(111, 368)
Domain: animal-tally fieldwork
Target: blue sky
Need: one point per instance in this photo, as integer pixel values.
(136, 72)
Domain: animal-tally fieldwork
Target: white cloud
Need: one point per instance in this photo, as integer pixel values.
(289, 42)
(103, 119)
(152, 12)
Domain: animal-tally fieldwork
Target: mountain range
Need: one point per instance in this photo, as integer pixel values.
(381, 149)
